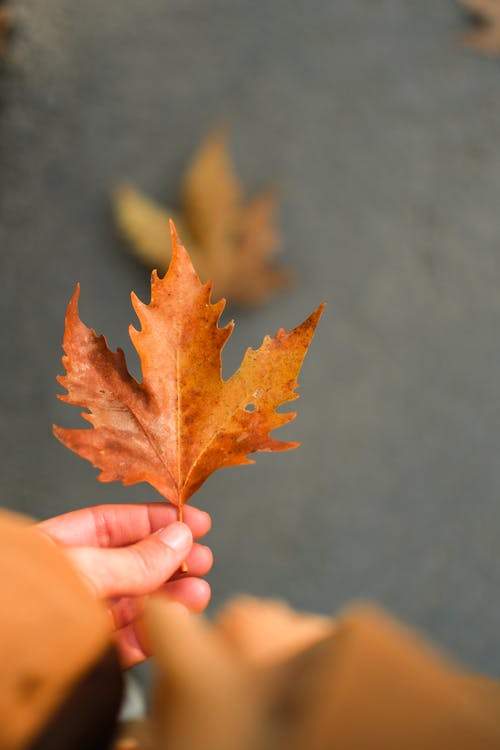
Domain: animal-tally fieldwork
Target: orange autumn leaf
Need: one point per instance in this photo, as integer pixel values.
(183, 421)
(233, 239)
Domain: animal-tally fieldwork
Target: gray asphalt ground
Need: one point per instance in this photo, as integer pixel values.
(385, 135)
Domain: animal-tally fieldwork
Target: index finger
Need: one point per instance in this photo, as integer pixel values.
(119, 525)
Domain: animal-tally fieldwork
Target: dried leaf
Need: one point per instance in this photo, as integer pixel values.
(485, 37)
(182, 422)
(233, 242)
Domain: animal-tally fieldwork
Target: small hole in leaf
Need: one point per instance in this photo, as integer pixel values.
(250, 407)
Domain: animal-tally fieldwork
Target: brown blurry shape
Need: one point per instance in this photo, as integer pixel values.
(5, 26)
(211, 695)
(59, 677)
(233, 241)
(485, 37)
(363, 682)
(245, 619)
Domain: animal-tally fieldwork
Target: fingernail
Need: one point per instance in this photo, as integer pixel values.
(177, 535)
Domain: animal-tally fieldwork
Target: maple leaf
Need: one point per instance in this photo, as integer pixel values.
(182, 422)
(233, 242)
(486, 36)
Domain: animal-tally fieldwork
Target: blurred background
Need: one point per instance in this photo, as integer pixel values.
(384, 133)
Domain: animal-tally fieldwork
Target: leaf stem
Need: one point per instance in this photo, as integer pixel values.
(180, 517)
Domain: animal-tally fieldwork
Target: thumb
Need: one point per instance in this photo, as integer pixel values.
(135, 570)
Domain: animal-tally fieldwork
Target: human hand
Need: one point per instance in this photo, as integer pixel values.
(126, 552)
